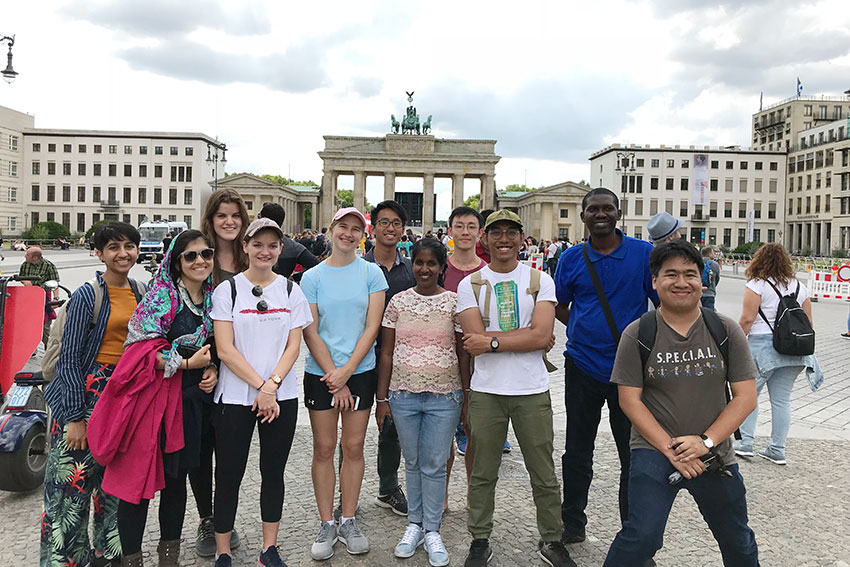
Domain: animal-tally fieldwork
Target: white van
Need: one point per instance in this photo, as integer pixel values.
(153, 232)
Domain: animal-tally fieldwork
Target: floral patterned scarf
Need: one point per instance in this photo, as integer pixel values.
(155, 313)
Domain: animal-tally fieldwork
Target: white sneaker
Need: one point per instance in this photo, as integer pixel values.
(412, 538)
(437, 554)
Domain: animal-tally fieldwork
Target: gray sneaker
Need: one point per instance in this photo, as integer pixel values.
(323, 547)
(354, 540)
(742, 450)
(773, 456)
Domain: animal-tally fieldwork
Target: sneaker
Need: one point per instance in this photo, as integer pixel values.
(846, 335)
(205, 539)
(270, 558)
(554, 553)
(567, 539)
(395, 500)
(234, 539)
(461, 445)
(224, 560)
(323, 547)
(412, 538)
(354, 540)
(437, 554)
(773, 456)
(507, 447)
(742, 450)
(479, 553)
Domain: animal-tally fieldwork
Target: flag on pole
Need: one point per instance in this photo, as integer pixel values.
(799, 87)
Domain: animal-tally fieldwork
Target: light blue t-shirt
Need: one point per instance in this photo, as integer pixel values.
(342, 298)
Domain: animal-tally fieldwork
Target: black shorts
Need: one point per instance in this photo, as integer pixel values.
(363, 387)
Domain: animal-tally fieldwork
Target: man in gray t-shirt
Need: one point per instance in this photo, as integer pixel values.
(680, 416)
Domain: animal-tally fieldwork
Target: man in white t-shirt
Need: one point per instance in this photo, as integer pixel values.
(510, 383)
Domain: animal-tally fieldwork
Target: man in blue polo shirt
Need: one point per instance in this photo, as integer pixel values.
(621, 265)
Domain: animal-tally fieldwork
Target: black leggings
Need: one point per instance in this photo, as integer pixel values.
(172, 508)
(201, 478)
(234, 427)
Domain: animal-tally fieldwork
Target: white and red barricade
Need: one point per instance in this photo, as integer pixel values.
(834, 284)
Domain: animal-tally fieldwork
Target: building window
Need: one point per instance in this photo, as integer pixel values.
(127, 195)
(685, 163)
(729, 185)
(727, 210)
(157, 195)
(51, 168)
(66, 148)
(128, 170)
(638, 207)
(712, 185)
(51, 193)
(66, 220)
(143, 150)
(712, 209)
(113, 149)
(143, 170)
(683, 184)
(189, 150)
(157, 171)
(742, 185)
(654, 163)
(81, 193)
(96, 169)
(774, 166)
(742, 210)
(126, 218)
(742, 236)
(669, 183)
(757, 186)
(808, 205)
(668, 206)
(13, 143)
(35, 218)
(51, 147)
(771, 235)
(172, 196)
(172, 218)
(757, 211)
(826, 203)
(81, 169)
(13, 224)
(51, 217)
(81, 222)
(13, 169)
(715, 164)
(66, 193)
(66, 168)
(671, 163)
(638, 162)
(81, 148)
(744, 165)
(730, 164)
(95, 218)
(143, 197)
(13, 194)
(36, 147)
(128, 150)
(683, 209)
(36, 168)
(140, 219)
(111, 196)
(772, 186)
(36, 193)
(113, 170)
(173, 173)
(173, 150)
(98, 149)
(157, 150)
(157, 217)
(565, 213)
(653, 183)
(95, 194)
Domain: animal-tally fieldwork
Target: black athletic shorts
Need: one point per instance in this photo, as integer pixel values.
(363, 387)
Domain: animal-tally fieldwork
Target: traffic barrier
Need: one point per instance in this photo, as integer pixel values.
(834, 284)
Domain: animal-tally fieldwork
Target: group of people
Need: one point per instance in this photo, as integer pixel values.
(166, 377)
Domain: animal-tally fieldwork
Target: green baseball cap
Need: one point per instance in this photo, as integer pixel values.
(503, 215)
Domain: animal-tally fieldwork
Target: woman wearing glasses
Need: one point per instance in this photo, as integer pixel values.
(253, 312)
(346, 296)
(164, 373)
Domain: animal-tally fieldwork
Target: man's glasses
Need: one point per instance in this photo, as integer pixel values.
(500, 232)
(257, 291)
(192, 255)
(384, 223)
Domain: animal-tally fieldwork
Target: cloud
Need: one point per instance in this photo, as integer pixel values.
(163, 18)
(300, 69)
(366, 86)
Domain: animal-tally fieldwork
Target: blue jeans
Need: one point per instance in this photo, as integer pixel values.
(425, 422)
(722, 502)
(780, 383)
(708, 301)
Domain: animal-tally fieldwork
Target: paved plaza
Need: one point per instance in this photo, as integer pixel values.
(799, 512)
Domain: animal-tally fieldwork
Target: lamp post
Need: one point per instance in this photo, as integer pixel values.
(213, 157)
(9, 74)
(625, 166)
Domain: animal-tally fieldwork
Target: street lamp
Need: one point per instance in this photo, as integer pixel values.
(625, 165)
(213, 158)
(9, 74)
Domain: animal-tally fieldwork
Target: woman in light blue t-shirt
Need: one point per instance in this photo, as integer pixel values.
(346, 295)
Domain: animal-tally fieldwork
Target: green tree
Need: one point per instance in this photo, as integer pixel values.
(47, 230)
(520, 188)
(345, 197)
(472, 201)
(90, 231)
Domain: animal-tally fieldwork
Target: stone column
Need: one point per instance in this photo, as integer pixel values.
(457, 190)
(360, 190)
(428, 203)
(488, 191)
(389, 185)
(328, 198)
(536, 221)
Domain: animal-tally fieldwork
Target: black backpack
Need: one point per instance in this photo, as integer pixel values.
(792, 331)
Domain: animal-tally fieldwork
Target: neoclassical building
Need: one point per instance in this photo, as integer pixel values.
(549, 212)
(295, 199)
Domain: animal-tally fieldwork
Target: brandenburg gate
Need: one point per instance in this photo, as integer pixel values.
(412, 153)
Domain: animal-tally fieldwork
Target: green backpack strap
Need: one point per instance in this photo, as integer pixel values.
(533, 290)
(477, 283)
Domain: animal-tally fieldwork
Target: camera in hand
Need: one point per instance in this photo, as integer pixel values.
(713, 465)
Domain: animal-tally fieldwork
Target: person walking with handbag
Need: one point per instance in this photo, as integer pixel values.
(770, 276)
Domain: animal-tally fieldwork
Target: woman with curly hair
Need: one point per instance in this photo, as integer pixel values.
(769, 277)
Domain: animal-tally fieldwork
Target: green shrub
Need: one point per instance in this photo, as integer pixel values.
(839, 253)
(747, 248)
(47, 230)
(90, 231)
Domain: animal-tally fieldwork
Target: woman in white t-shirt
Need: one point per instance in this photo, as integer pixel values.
(346, 296)
(258, 316)
(771, 268)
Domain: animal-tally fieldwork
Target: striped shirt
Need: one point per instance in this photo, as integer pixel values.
(66, 394)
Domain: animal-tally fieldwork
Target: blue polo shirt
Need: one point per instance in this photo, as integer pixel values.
(625, 277)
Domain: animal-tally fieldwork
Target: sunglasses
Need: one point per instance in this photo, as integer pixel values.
(191, 255)
(257, 291)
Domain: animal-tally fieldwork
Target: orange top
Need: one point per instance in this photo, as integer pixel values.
(122, 303)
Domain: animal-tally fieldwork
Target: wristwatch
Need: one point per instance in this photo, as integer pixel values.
(494, 344)
(276, 379)
(709, 444)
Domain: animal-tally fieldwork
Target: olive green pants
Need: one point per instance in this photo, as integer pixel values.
(531, 415)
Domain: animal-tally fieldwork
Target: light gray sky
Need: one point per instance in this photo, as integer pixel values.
(551, 81)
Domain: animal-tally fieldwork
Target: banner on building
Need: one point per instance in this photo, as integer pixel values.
(751, 224)
(700, 179)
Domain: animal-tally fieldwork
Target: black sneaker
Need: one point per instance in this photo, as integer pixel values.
(479, 553)
(395, 501)
(567, 539)
(270, 558)
(205, 540)
(554, 553)
(224, 560)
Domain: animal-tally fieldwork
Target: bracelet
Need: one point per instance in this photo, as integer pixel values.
(187, 363)
(382, 401)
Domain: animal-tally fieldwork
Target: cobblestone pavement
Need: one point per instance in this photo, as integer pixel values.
(798, 512)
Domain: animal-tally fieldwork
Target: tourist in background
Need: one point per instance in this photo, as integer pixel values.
(423, 372)
(258, 320)
(769, 275)
(663, 227)
(292, 253)
(710, 278)
(346, 297)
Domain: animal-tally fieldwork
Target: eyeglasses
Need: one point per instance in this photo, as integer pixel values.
(500, 232)
(191, 255)
(384, 223)
(257, 291)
